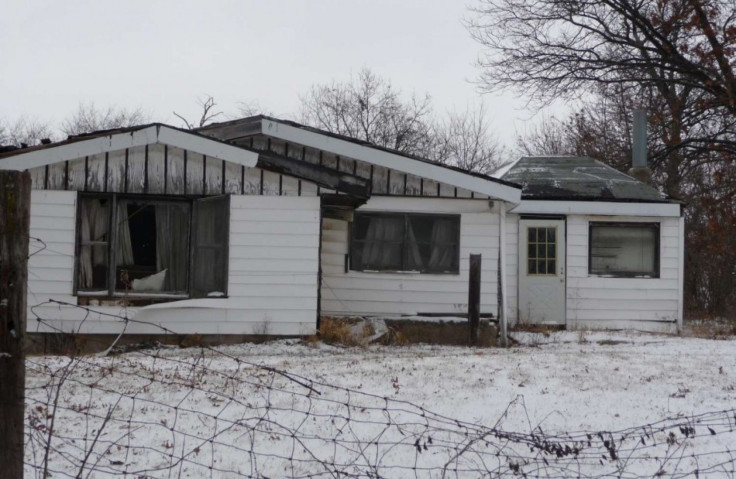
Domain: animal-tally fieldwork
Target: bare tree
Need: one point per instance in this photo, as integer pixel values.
(369, 108)
(24, 131)
(89, 118)
(209, 113)
(464, 139)
(552, 48)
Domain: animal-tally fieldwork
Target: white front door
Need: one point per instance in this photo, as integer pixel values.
(542, 271)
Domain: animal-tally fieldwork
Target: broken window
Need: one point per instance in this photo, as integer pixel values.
(149, 242)
(624, 249)
(424, 243)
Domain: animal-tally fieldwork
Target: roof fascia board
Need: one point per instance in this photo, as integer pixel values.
(390, 160)
(601, 208)
(207, 146)
(119, 141)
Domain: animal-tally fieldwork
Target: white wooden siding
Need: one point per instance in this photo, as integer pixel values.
(604, 302)
(360, 293)
(51, 249)
(272, 285)
(274, 260)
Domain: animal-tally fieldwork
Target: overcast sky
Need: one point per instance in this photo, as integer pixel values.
(163, 55)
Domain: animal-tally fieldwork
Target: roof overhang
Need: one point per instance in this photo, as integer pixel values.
(380, 157)
(601, 208)
(130, 138)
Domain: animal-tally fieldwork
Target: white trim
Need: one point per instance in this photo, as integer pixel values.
(391, 160)
(603, 208)
(503, 310)
(681, 276)
(119, 141)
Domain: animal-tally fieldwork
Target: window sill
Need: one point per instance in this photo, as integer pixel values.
(415, 273)
(623, 276)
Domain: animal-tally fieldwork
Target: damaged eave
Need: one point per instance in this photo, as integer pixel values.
(492, 187)
(322, 176)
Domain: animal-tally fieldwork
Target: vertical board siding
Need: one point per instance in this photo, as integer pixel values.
(594, 301)
(166, 170)
(136, 173)
(157, 182)
(274, 260)
(359, 293)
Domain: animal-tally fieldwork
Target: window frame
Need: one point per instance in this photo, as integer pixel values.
(626, 274)
(406, 217)
(112, 293)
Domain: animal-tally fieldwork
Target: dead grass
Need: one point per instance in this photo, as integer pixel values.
(340, 331)
(710, 328)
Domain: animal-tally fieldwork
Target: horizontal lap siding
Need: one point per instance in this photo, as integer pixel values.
(622, 302)
(51, 250)
(274, 250)
(359, 293)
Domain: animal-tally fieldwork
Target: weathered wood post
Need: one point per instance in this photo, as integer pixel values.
(15, 201)
(474, 299)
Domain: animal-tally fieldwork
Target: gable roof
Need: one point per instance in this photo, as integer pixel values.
(119, 139)
(81, 146)
(578, 179)
(364, 151)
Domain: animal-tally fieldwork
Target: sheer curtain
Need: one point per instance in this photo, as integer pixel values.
(172, 244)
(124, 247)
(382, 247)
(442, 250)
(95, 227)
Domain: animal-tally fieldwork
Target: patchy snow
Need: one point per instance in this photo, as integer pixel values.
(560, 382)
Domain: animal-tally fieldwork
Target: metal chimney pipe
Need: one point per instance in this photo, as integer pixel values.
(639, 148)
(639, 168)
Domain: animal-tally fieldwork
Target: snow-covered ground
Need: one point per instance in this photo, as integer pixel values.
(165, 407)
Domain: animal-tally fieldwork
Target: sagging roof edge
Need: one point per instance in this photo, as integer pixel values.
(512, 197)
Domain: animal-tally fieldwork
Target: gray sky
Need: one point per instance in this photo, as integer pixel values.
(163, 55)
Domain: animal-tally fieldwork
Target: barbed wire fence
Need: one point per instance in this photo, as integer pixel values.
(203, 412)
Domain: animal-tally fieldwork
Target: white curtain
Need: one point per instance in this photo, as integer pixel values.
(172, 244)
(443, 247)
(124, 249)
(382, 247)
(95, 227)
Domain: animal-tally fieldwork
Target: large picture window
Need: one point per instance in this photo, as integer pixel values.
(139, 245)
(405, 242)
(624, 249)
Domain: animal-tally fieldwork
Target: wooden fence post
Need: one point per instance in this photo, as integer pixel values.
(15, 199)
(474, 299)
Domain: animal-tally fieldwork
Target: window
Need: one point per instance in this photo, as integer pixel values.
(542, 251)
(405, 242)
(624, 249)
(156, 246)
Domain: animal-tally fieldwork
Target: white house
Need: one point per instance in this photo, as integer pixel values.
(261, 226)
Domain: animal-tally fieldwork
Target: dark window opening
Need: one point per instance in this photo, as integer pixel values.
(624, 249)
(405, 242)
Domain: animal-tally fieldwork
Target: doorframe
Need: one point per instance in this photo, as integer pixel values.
(542, 217)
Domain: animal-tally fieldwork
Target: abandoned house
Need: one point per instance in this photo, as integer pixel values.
(261, 226)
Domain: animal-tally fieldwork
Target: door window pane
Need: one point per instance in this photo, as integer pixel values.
(542, 251)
